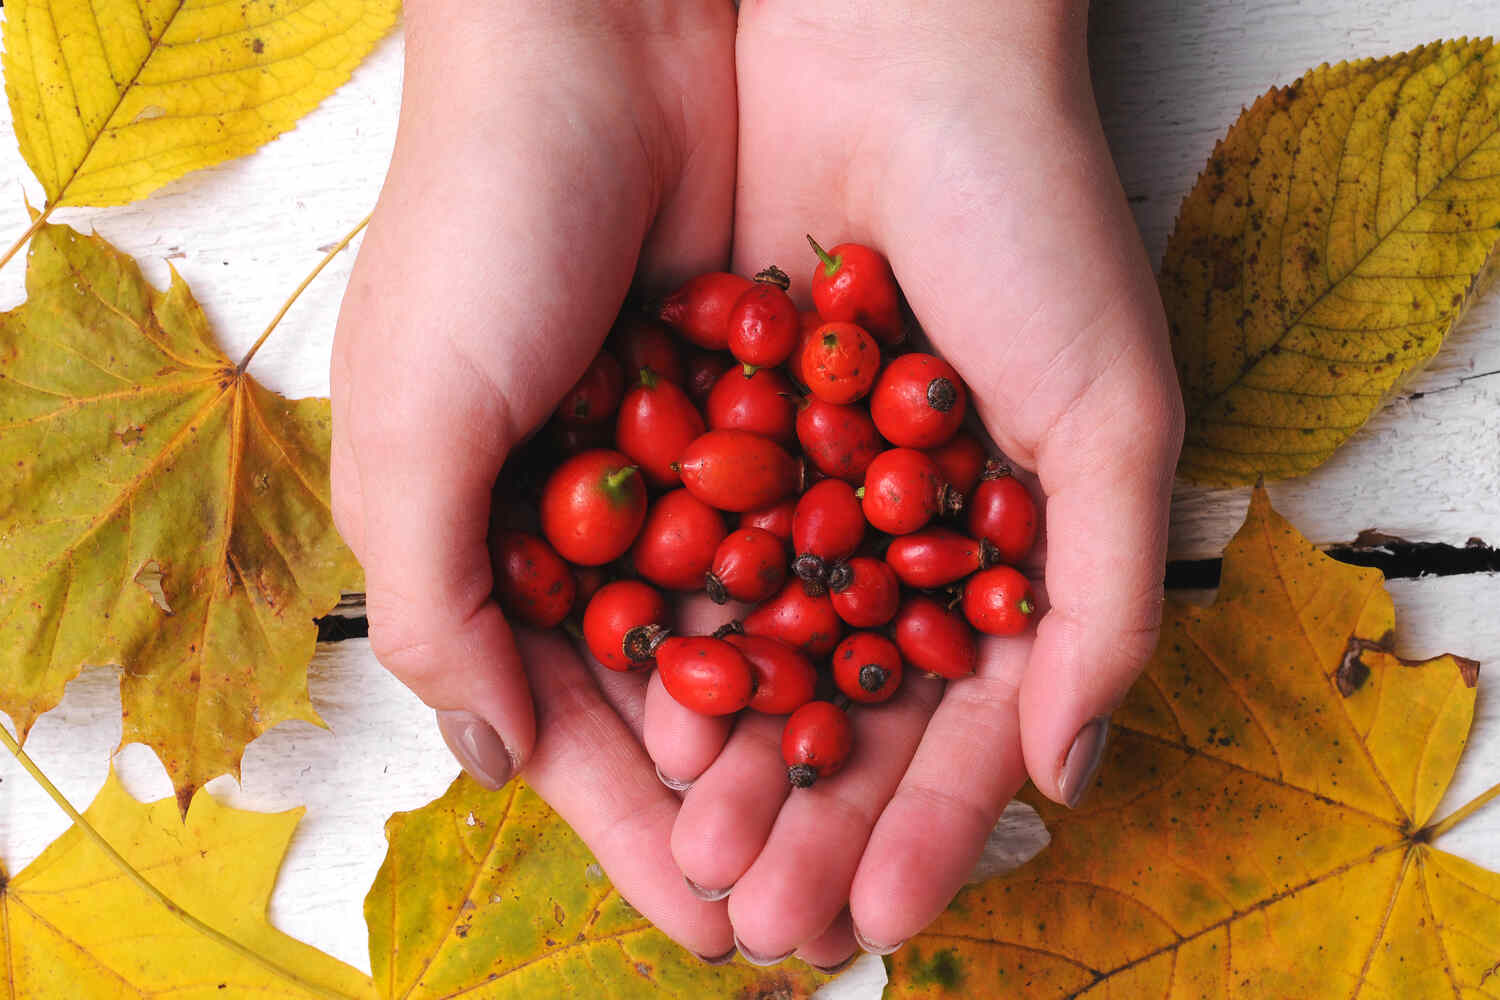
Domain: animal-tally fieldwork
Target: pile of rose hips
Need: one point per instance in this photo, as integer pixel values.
(843, 459)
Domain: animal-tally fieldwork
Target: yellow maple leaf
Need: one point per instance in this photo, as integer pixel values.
(73, 924)
(1262, 826)
(113, 98)
(490, 894)
(1327, 250)
(159, 510)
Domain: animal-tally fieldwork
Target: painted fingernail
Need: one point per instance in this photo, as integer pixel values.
(710, 895)
(673, 783)
(875, 949)
(718, 959)
(1083, 760)
(477, 747)
(760, 960)
(833, 970)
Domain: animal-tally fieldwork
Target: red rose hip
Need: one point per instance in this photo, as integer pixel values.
(749, 565)
(784, 677)
(855, 283)
(704, 674)
(764, 326)
(867, 667)
(799, 619)
(737, 470)
(532, 582)
(903, 491)
(621, 621)
(761, 401)
(840, 441)
(961, 460)
(827, 529)
(918, 401)
(998, 601)
(643, 343)
(816, 742)
(934, 639)
(676, 544)
(699, 310)
(777, 519)
(839, 362)
(864, 592)
(656, 423)
(593, 506)
(936, 557)
(1002, 512)
(596, 395)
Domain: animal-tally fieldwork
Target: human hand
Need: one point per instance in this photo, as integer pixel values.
(545, 156)
(961, 137)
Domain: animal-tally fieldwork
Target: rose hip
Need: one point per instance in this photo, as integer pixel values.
(621, 621)
(595, 397)
(826, 529)
(737, 470)
(840, 362)
(934, 639)
(936, 557)
(777, 519)
(853, 282)
(704, 369)
(784, 677)
(593, 507)
(867, 667)
(961, 460)
(749, 565)
(643, 343)
(533, 583)
(1003, 512)
(799, 619)
(699, 310)
(704, 674)
(761, 401)
(657, 422)
(589, 580)
(998, 601)
(918, 401)
(903, 491)
(764, 326)
(864, 592)
(840, 441)
(676, 545)
(816, 742)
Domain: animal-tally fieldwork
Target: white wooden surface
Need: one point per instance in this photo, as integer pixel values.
(1171, 75)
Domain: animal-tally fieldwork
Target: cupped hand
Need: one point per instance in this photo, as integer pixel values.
(546, 157)
(960, 137)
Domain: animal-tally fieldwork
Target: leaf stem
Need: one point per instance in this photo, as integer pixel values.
(145, 886)
(31, 230)
(1436, 830)
(239, 369)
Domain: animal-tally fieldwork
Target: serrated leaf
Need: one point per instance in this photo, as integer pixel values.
(75, 926)
(113, 98)
(490, 894)
(159, 510)
(1326, 251)
(1262, 824)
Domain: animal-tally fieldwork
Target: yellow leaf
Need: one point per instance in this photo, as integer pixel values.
(73, 925)
(489, 894)
(1326, 252)
(111, 99)
(1262, 825)
(159, 510)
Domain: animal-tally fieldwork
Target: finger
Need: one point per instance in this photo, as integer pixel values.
(801, 880)
(967, 767)
(588, 768)
(729, 812)
(834, 949)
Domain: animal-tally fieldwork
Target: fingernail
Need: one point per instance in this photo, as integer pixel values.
(760, 960)
(477, 747)
(1083, 760)
(710, 895)
(875, 949)
(833, 970)
(718, 959)
(673, 783)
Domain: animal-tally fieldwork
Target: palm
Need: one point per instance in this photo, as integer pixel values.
(997, 204)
